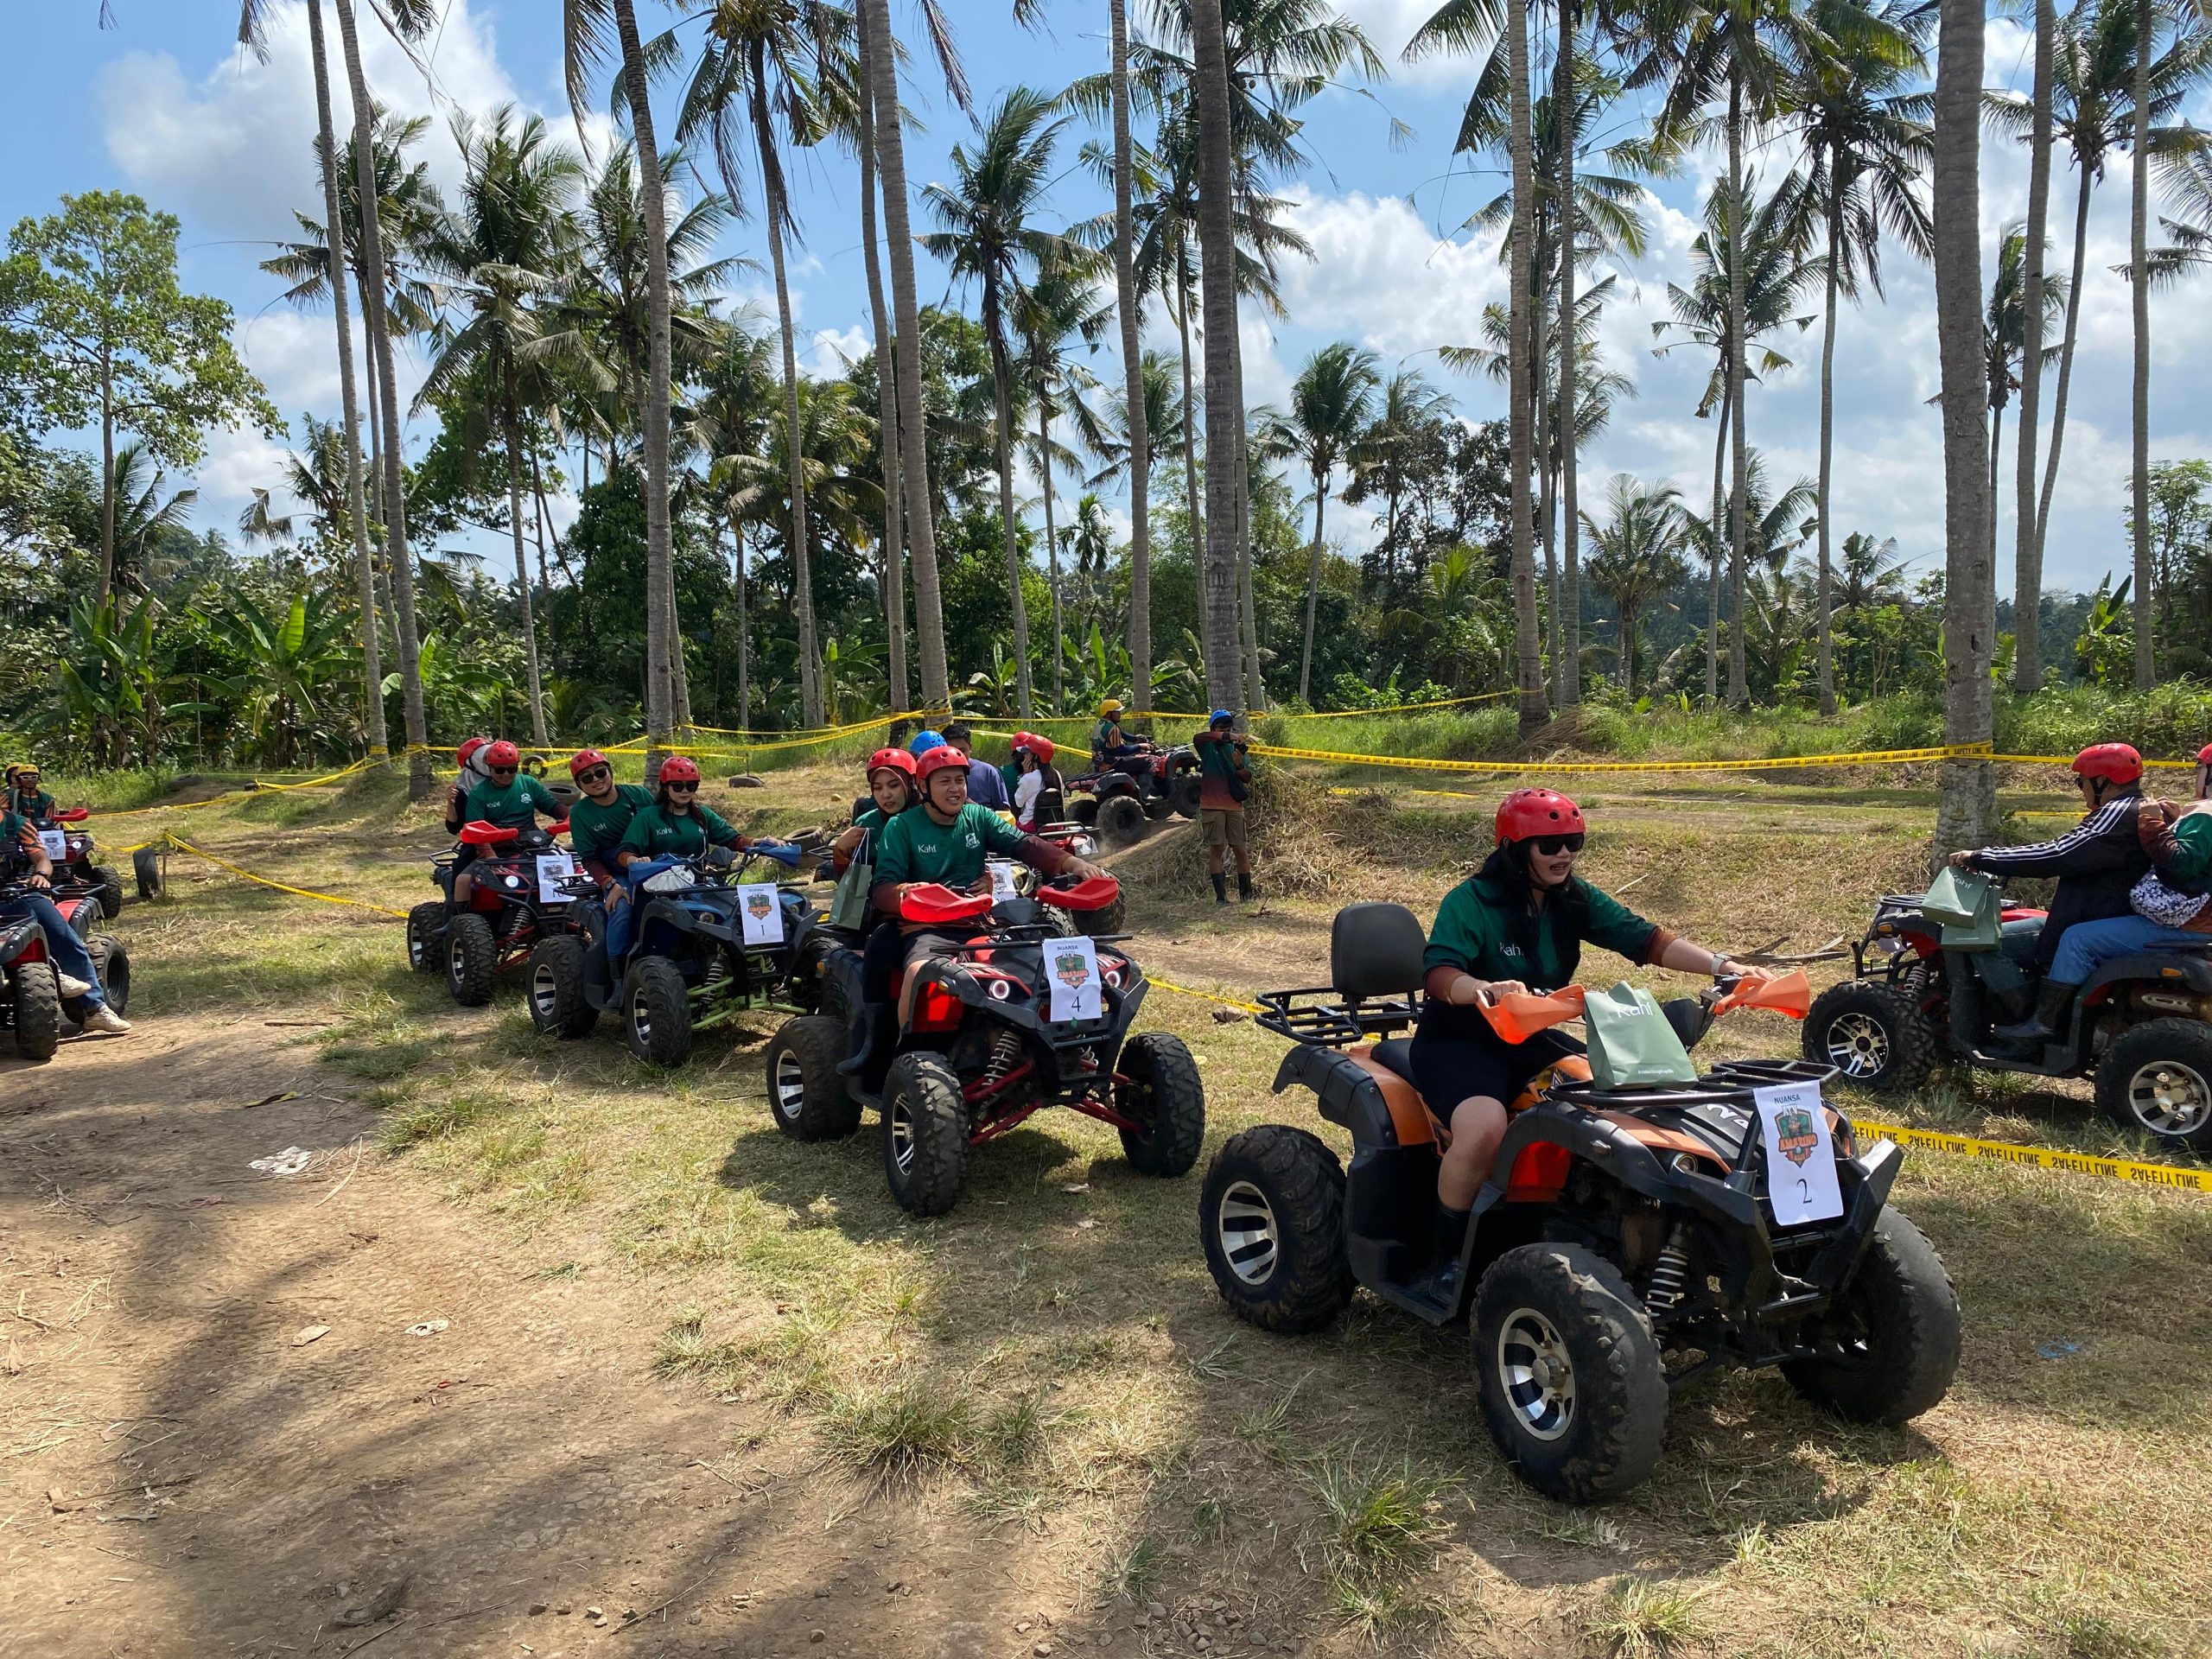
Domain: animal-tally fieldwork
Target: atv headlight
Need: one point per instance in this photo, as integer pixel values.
(1112, 976)
(513, 881)
(1000, 991)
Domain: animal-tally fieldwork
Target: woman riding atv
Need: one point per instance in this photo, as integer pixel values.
(508, 799)
(675, 824)
(596, 826)
(26, 797)
(891, 775)
(1040, 792)
(2169, 906)
(1518, 923)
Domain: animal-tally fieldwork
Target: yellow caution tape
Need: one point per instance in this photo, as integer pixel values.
(1872, 757)
(2174, 1176)
(2067, 761)
(1203, 997)
(184, 846)
(1395, 708)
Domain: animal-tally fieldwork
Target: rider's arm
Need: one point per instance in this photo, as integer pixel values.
(2104, 841)
(2154, 832)
(721, 832)
(34, 850)
(636, 841)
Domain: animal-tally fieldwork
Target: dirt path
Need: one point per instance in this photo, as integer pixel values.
(184, 1471)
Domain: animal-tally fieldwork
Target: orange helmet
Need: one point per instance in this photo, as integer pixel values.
(897, 760)
(585, 760)
(502, 754)
(679, 769)
(941, 759)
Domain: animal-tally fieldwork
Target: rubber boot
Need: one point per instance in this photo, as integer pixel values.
(1243, 889)
(867, 1022)
(2042, 1027)
(1220, 888)
(1450, 1237)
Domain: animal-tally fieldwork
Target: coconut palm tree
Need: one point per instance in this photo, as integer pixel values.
(141, 512)
(1216, 150)
(2027, 550)
(1638, 555)
(730, 425)
(505, 249)
(991, 237)
(2005, 344)
(1106, 431)
(1406, 431)
(1061, 305)
(1134, 403)
(1330, 406)
(1861, 116)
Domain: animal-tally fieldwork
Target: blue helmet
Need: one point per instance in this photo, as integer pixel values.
(1223, 717)
(923, 743)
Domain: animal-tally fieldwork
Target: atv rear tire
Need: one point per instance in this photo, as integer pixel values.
(555, 989)
(806, 1096)
(2157, 1080)
(924, 1135)
(1121, 822)
(146, 866)
(1569, 1374)
(1084, 813)
(1165, 1094)
(657, 1012)
(425, 923)
(1891, 1340)
(1271, 1217)
(1099, 923)
(112, 967)
(38, 1009)
(1183, 792)
(107, 885)
(472, 959)
(1873, 1034)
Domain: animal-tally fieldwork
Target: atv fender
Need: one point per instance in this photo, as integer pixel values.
(1352, 1091)
(2167, 969)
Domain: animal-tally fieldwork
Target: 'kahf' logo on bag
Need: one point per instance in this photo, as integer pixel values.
(1795, 1136)
(1072, 969)
(758, 904)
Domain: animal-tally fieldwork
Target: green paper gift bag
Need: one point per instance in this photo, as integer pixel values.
(1631, 1043)
(1955, 898)
(1985, 932)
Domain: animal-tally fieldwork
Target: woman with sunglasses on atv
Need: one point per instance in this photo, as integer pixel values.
(675, 824)
(1040, 792)
(26, 797)
(1518, 923)
(508, 799)
(596, 826)
(891, 774)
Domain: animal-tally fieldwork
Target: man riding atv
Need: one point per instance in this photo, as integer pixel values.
(508, 799)
(25, 796)
(1516, 925)
(1109, 743)
(2097, 862)
(596, 826)
(72, 963)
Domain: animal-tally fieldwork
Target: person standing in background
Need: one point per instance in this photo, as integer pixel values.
(1224, 780)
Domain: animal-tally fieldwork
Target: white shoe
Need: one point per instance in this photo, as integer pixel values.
(106, 1018)
(72, 987)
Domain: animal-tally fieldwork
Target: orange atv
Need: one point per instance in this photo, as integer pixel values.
(1621, 1228)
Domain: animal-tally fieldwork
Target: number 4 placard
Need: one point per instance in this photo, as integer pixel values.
(1801, 1178)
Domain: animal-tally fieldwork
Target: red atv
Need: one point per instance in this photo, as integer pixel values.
(74, 868)
(30, 999)
(977, 1052)
(1104, 922)
(505, 915)
(1140, 788)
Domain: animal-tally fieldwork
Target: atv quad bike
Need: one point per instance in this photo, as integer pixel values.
(75, 868)
(504, 917)
(1106, 921)
(1143, 787)
(975, 1052)
(1625, 1244)
(30, 998)
(690, 966)
(2141, 1026)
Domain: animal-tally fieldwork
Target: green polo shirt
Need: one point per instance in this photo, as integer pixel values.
(512, 805)
(40, 805)
(596, 831)
(656, 832)
(1476, 932)
(915, 846)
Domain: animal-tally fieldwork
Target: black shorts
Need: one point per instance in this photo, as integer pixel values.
(1456, 1056)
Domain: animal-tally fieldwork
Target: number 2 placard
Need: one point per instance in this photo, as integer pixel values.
(1801, 1178)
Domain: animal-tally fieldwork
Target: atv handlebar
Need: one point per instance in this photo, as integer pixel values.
(1095, 892)
(72, 815)
(930, 903)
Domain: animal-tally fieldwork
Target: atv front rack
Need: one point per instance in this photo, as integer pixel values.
(1336, 1022)
(1729, 1084)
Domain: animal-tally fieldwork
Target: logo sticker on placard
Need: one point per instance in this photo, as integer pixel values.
(1074, 965)
(763, 912)
(55, 842)
(1801, 1175)
(553, 869)
(1795, 1137)
(1002, 887)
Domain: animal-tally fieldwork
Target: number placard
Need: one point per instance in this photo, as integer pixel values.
(56, 843)
(1073, 966)
(763, 910)
(554, 868)
(1801, 1178)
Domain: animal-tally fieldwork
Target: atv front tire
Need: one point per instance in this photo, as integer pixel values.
(38, 1010)
(1571, 1386)
(924, 1135)
(1886, 1350)
(1873, 1034)
(807, 1098)
(1121, 822)
(657, 1012)
(2157, 1080)
(1163, 1094)
(424, 924)
(1100, 924)
(558, 1006)
(472, 959)
(1271, 1217)
(810, 984)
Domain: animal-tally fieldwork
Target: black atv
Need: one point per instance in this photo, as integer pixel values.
(690, 967)
(2142, 1026)
(1625, 1244)
(1140, 788)
(504, 919)
(977, 1052)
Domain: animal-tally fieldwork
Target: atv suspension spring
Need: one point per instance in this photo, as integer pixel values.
(1006, 1053)
(1669, 1275)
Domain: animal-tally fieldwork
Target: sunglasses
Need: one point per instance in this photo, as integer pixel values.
(594, 775)
(1553, 846)
(674, 786)
(501, 771)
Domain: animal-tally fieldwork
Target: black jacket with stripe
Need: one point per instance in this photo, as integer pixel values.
(2097, 862)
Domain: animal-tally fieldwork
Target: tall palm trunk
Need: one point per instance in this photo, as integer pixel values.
(1570, 674)
(1969, 614)
(2138, 287)
(1002, 412)
(1218, 284)
(1127, 305)
(373, 725)
(1256, 691)
(2027, 544)
(660, 621)
(679, 668)
(1824, 669)
(1540, 340)
(1190, 504)
(887, 395)
(512, 411)
(920, 524)
(1051, 551)
(2065, 364)
(1519, 360)
(374, 322)
(744, 632)
(1321, 464)
(1720, 543)
(1739, 449)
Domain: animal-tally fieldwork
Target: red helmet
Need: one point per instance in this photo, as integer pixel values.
(897, 760)
(2116, 763)
(679, 769)
(1528, 812)
(585, 760)
(1039, 746)
(502, 754)
(467, 751)
(938, 759)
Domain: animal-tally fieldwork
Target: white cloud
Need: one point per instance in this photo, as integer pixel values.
(835, 350)
(1389, 24)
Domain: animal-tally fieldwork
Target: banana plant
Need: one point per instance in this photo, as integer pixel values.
(290, 653)
(106, 688)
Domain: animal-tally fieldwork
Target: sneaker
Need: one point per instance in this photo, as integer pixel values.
(71, 986)
(106, 1018)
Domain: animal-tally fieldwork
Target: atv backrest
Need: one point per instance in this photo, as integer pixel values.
(1375, 950)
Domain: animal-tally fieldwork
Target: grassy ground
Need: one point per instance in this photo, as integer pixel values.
(1051, 1360)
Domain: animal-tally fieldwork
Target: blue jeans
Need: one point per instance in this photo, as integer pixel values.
(2087, 945)
(63, 948)
(619, 913)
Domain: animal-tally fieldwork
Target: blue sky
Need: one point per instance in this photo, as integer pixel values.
(165, 105)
